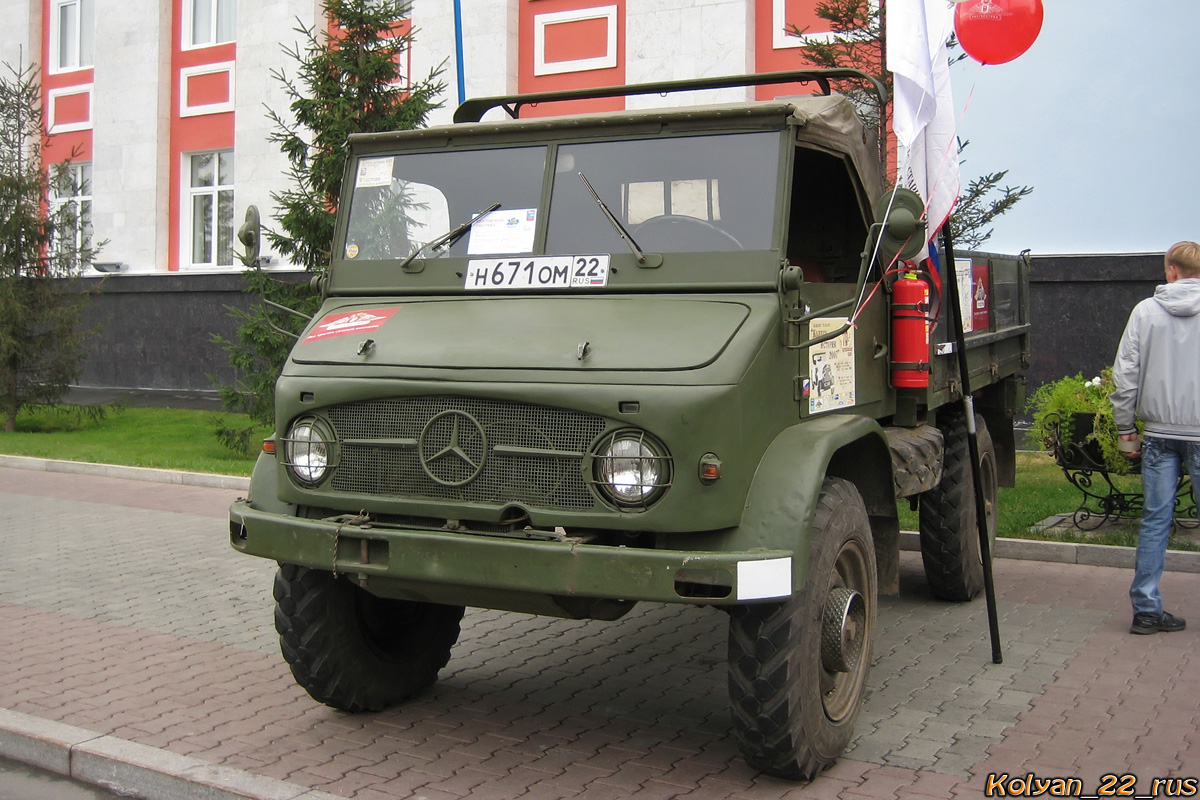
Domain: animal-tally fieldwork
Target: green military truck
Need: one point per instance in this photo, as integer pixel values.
(566, 364)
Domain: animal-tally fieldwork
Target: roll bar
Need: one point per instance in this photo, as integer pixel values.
(473, 110)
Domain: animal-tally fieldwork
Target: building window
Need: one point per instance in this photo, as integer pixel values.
(72, 206)
(72, 34)
(211, 22)
(210, 195)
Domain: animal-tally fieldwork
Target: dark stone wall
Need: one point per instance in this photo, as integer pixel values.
(156, 330)
(1079, 305)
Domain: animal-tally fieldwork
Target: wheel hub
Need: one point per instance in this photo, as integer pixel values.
(843, 629)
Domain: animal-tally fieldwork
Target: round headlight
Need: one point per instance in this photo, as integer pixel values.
(631, 468)
(309, 450)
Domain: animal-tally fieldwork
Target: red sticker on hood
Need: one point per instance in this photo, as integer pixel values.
(341, 323)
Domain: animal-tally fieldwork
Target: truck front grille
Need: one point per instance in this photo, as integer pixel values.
(465, 449)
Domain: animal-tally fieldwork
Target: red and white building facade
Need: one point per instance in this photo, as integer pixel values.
(163, 102)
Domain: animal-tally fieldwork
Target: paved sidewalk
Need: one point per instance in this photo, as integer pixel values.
(137, 647)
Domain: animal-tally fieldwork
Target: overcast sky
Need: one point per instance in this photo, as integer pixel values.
(1102, 117)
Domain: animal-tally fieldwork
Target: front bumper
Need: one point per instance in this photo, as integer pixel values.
(469, 565)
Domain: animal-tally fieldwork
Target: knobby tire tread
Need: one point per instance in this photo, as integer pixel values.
(329, 658)
(948, 530)
(768, 677)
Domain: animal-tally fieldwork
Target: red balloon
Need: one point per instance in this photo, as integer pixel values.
(997, 31)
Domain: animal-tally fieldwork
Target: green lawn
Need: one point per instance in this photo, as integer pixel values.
(182, 439)
(138, 437)
(1042, 491)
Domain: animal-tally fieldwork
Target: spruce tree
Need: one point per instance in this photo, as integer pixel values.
(348, 81)
(41, 250)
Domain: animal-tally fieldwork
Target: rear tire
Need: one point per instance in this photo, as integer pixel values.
(797, 674)
(949, 534)
(354, 651)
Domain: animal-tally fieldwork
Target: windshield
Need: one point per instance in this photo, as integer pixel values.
(402, 203)
(677, 194)
(682, 194)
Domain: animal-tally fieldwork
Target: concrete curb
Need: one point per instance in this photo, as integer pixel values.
(1091, 555)
(179, 478)
(134, 769)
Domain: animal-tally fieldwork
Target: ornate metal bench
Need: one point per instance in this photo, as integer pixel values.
(1081, 460)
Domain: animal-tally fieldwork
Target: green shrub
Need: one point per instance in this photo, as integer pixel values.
(1054, 405)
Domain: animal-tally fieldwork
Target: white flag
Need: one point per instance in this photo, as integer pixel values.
(924, 108)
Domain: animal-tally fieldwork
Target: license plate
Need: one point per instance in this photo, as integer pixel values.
(541, 272)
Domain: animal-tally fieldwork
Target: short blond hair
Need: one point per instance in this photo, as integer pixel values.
(1184, 257)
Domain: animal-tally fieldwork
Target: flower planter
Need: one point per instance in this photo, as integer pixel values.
(1081, 460)
(1080, 450)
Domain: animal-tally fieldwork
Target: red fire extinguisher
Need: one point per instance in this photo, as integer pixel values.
(910, 332)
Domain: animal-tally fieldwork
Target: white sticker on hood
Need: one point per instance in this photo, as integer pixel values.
(343, 323)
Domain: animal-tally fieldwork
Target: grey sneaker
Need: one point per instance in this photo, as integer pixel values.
(1148, 623)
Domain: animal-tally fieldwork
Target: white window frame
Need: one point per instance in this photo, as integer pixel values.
(404, 57)
(82, 197)
(187, 217)
(782, 40)
(52, 124)
(403, 62)
(189, 33)
(188, 110)
(405, 7)
(542, 21)
(80, 57)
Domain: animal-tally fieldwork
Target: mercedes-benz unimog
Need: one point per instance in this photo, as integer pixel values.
(566, 364)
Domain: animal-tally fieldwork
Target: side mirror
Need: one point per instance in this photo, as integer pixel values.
(250, 235)
(903, 233)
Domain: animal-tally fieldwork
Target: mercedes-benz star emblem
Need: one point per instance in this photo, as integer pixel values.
(453, 448)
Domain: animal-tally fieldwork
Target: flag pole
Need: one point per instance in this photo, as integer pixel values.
(458, 52)
(985, 544)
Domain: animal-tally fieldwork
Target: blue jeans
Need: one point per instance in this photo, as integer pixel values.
(1162, 463)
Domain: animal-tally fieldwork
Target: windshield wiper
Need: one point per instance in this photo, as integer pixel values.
(616, 223)
(447, 240)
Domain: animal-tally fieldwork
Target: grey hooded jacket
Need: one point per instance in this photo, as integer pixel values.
(1157, 371)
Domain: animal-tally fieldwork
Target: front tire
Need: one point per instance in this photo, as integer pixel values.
(949, 534)
(354, 651)
(798, 669)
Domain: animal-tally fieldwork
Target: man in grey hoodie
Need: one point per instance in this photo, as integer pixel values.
(1157, 377)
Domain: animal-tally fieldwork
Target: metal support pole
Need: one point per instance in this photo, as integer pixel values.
(985, 545)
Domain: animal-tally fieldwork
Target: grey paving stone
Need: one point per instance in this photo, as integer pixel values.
(935, 701)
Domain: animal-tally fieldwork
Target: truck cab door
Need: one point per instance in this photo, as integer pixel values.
(828, 222)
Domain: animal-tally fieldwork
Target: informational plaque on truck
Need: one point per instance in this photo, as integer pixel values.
(830, 366)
